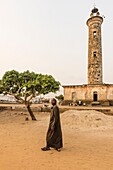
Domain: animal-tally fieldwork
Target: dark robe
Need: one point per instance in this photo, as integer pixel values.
(54, 133)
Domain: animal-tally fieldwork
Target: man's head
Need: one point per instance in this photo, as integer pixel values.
(53, 101)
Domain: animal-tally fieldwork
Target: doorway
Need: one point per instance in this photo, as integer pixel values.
(95, 96)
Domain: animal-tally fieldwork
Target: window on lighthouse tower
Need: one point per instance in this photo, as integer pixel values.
(94, 54)
(94, 34)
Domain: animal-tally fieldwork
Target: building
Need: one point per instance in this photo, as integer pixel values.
(95, 92)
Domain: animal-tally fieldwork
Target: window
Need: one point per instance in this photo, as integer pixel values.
(94, 54)
(94, 34)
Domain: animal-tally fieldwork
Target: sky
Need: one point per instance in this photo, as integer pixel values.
(51, 37)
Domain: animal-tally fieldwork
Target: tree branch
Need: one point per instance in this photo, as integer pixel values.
(30, 97)
(18, 98)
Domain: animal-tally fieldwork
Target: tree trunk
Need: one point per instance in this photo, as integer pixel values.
(31, 113)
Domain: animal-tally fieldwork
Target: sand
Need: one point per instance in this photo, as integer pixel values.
(87, 120)
(87, 135)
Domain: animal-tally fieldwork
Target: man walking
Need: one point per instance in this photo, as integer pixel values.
(54, 133)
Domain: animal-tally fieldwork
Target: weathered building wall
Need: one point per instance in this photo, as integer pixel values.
(74, 93)
(100, 90)
(86, 92)
(110, 92)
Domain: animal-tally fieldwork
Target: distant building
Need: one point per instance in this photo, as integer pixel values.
(95, 91)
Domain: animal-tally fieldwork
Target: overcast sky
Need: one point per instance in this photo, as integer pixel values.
(51, 37)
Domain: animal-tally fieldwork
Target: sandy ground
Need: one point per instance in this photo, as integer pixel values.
(84, 149)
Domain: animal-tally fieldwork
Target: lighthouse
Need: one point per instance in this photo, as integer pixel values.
(95, 92)
(95, 75)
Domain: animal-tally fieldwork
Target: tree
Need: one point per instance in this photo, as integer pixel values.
(26, 85)
(60, 97)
